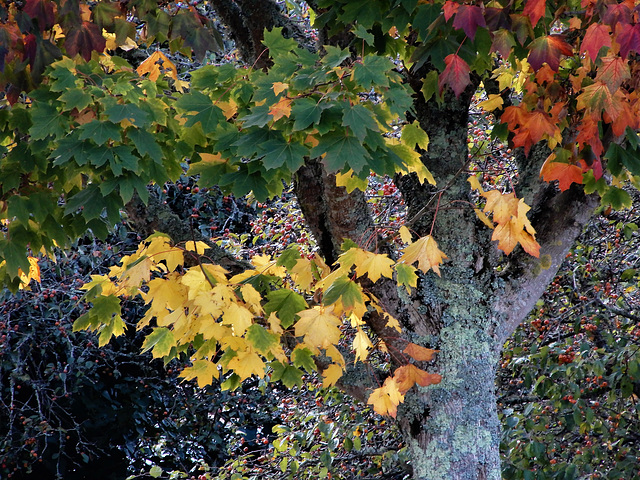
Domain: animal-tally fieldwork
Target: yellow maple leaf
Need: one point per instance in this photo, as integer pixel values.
(252, 298)
(331, 375)
(196, 247)
(239, 317)
(279, 87)
(392, 322)
(246, 363)
(157, 64)
(137, 272)
(493, 101)
(281, 109)
(503, 205)
(319, 327)
(265, 265)
(202, 370)
(160, 249)
(32, 274)
(361, 345)
(335, 355)
(302, 274)
(409, 375)
(350, 181)
(215, 272)
(274, 323)
(405, 234)
(375, 265)
(166, 292)
(426, 252)
(385, 400)
(229, 108)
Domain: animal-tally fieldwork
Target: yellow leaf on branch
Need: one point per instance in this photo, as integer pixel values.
(319, 327)
(281, 109)
(385, 400)
(375, 265)
(331, 375)
(361, 345)
(425, 251)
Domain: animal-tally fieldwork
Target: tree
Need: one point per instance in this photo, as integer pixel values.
(561, 82)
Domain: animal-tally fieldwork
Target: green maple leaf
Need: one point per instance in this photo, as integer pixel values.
(345, 290)
(306, 112)
(47, 121)
(341, 151)
(161, 340)
(277, 44)
(288, 374)
(279, 153)
(303, 358)
(261, 339)
(145, 143)
(286, 304)
(100, 132)
(127, 111)
(372, 72)
(76, 98)
(200, 108)
(359, 119)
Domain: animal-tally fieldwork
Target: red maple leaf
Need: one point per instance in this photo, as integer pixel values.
(616, 12)
(596, 37)
(455, 74)
(548, 49)
(497, 18)
(469, 18)
(565, 173)
(43, 11)
(450, 8)
(628, 37)
(625, 117)
(84, 39)
(534, 9)
(515, 115)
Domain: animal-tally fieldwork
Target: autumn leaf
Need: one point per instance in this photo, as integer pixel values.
(279, 87)
(375, 265)
(455, 74)
(598, 97)
(596, 37)
(628, 37)
(319, 326)
(565, 173)
(361, 345)
(548, 49)
(534, 9)
(469, 18)
(419, 353)
(246, 363)
(425, 251)
(281, 109)
(614, 71)
(239, 317)
(385, 400)
(204, 371)
(406, 276)
(84, 39)
(331, 375)
(409, 375)
(157, 64)
(493, 101)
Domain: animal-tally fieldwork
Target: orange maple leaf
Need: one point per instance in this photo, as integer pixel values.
(409, 375)
(589, 134)
(421, 354)
(157, 64)
(565, 173)
(537, 126)
(425, 251)
(281, 109)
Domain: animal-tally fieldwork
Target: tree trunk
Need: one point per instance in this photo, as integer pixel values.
(452, 429)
